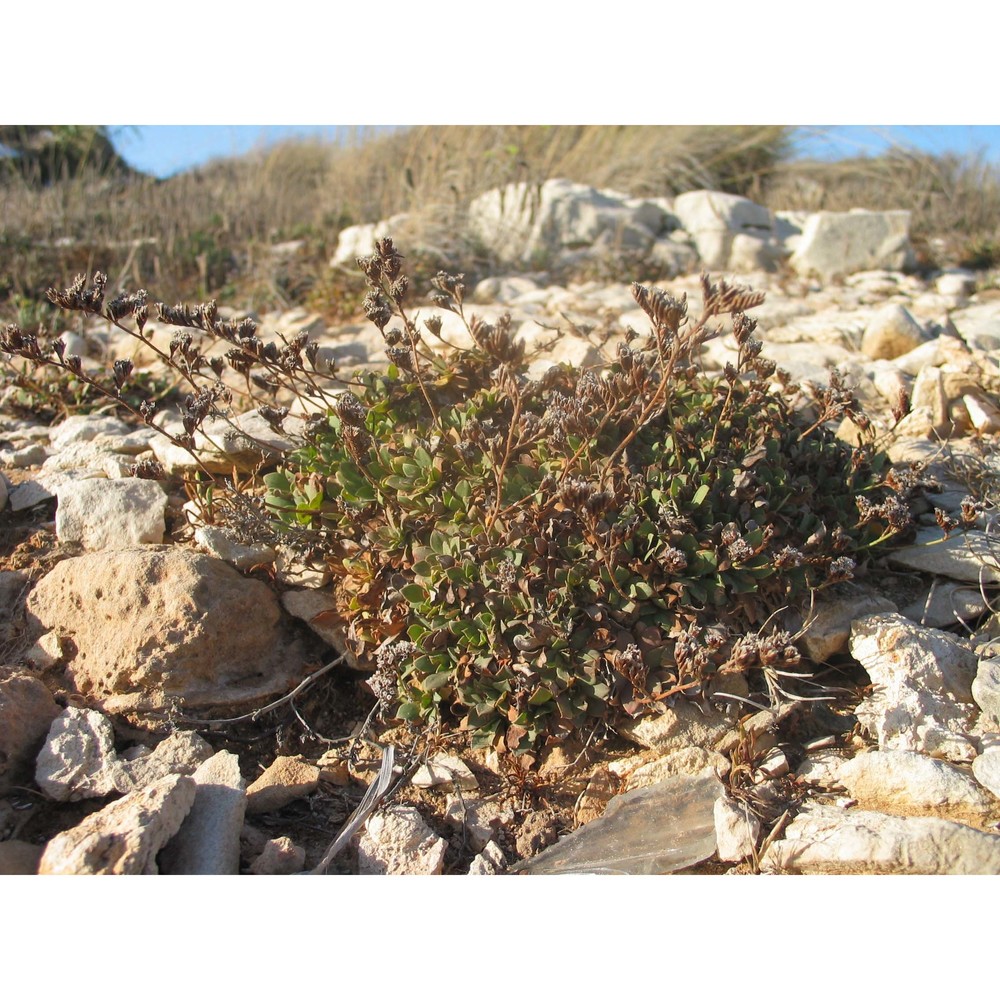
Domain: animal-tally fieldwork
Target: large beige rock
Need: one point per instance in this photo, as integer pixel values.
(158, 626)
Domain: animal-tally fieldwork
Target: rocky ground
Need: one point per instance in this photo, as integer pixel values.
(167, 702)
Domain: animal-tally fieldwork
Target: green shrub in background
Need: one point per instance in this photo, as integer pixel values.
(522, 557)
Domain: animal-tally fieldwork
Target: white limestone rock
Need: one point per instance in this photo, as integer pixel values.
(955, 281)
(520, 222)
(490, 861)
(902, 782)
(923, 687)
(111, 514)
(182, 752)
(397, 841)
(247, 439)
(729, 232)
(826, 840)
(124, 837)
(946, 602)
(23, 458)
(681, 725)
(986, 770)
(672, 257)
(691, 760)
(358, 241)
(445, 771)
(840, 243)
(219, 543)
(78, 760)
(85, 427)
(505, 290)
(979, 325)
(28, 494)
(477, 820)
(832, 615)
(737, 829)
(986, 691)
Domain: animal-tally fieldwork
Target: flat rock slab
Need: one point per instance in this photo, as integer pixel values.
(830, 841)
(923, 687)
(208, 841)
(901, 782)
(125, 836)
(945, 603)
(970, 557)
(651, 831)
(158, 626)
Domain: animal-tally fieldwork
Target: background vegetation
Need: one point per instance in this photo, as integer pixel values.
(69, 204)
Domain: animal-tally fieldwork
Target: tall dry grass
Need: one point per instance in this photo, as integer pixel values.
(209, 231)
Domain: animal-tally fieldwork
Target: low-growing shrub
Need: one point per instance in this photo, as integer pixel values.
(523, 556)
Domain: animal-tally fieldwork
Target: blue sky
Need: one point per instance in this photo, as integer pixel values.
(166, 149)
